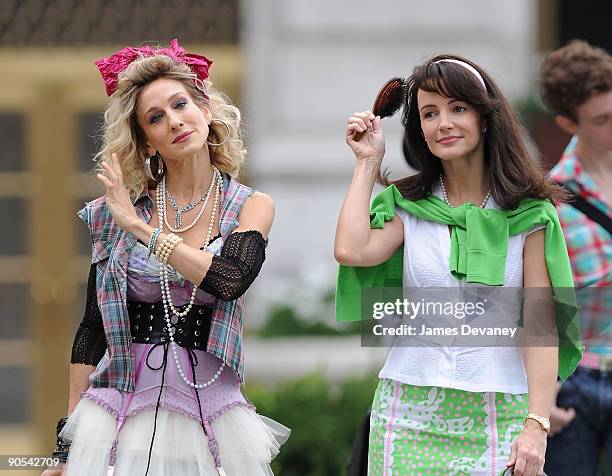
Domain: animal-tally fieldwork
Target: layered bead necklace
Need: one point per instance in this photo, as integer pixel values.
(169, 307)
(445, 196)
(180, 210)
(178, 218)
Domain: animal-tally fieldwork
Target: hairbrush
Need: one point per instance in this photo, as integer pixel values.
(388, 101)
(389, 98)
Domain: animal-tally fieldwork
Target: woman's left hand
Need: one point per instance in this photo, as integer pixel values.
(528, 451)
(117, 195)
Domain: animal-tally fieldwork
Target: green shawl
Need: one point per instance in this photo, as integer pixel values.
(479, 243)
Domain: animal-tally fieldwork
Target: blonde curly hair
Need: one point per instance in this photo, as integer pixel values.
(123, 136)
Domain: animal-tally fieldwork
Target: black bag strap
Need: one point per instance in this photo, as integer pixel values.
(590, 210)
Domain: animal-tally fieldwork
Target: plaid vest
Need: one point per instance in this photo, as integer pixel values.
(111, 248)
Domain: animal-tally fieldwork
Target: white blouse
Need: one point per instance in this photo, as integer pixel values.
(474, 369)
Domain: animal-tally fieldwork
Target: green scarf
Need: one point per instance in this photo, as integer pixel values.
(479, 243)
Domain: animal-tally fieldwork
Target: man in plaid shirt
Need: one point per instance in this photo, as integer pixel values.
(576, 84)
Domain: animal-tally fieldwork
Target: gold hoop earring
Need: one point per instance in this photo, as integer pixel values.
(155, 177)
(227, 127)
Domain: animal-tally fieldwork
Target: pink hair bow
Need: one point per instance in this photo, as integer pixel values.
(113, 65)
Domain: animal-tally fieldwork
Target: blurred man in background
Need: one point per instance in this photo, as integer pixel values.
(576, 84)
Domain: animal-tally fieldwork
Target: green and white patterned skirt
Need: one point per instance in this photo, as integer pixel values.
(442, 431)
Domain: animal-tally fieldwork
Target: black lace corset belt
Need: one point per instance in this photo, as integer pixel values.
(148, 326)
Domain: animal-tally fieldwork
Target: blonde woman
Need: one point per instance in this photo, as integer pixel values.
(157, 368)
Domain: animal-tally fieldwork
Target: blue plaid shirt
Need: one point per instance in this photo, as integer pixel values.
(111, 248)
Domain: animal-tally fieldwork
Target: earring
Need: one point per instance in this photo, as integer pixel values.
(226, 137)
(155, 177)
(484, 129)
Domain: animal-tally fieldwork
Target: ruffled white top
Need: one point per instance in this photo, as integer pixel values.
(474, 369)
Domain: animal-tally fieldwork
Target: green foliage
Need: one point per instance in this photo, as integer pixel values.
(531, 108)
(323, 421)
(284, 320)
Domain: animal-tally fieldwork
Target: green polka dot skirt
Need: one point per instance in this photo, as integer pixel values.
(442, 431)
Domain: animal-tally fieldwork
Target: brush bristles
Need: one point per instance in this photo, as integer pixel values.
(389, 98)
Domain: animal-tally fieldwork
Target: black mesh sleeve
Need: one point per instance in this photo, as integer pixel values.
(231, 273)
(89, 343)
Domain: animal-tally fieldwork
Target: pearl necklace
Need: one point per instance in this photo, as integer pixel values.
(165, 286)
(162, 219)
(445, 196)
(165, 192)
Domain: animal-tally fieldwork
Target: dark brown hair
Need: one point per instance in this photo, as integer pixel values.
(512, 173)
(571, 75)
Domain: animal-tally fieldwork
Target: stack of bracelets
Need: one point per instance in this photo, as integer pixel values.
(62, 445)
(153, 241)
(167, 246)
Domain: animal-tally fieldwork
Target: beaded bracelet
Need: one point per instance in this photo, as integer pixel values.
(167, 247)
(165, 253)
(171, 241)
(153, 241)
(170, 248)
(164, 244)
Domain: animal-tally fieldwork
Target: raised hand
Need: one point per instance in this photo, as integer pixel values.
(365, 136)
(117, 195)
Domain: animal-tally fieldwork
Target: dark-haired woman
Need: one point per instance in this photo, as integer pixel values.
(476, 213)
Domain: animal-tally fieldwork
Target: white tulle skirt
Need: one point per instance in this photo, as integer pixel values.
(247, 443)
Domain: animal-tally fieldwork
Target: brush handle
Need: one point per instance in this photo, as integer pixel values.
(357, 136)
